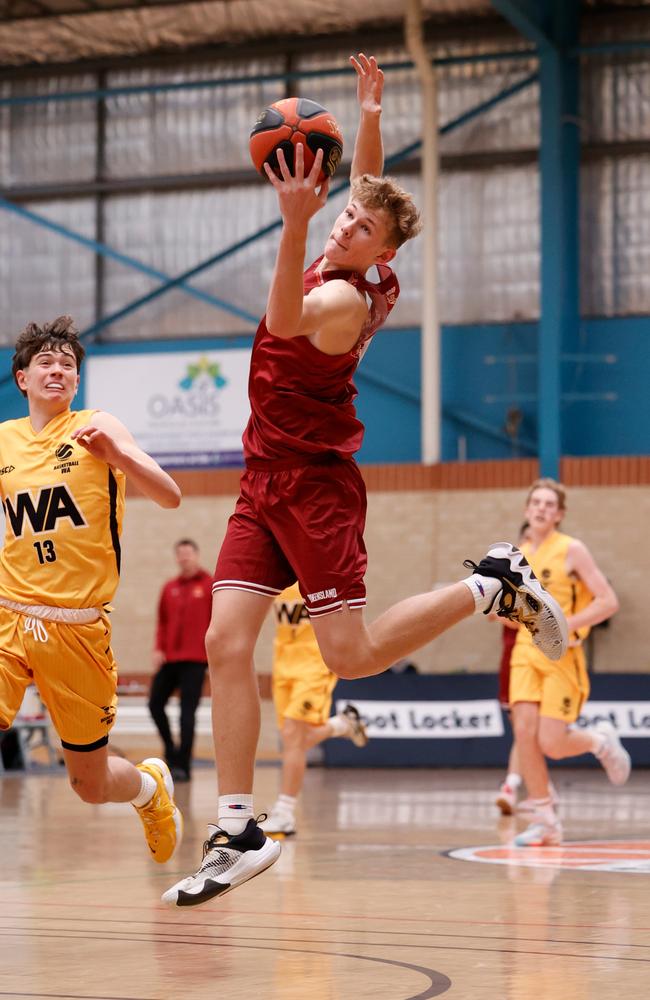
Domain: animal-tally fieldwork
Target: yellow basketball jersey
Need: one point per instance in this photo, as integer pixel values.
(293, 626)
(549, 566)
(63, 516)
(295, 642)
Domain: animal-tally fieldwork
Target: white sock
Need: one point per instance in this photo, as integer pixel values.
(286, 804)
(148, 787)
(599, 741)
(513, 780)
(544, 811)
(339, 725)
(483, 589)
(234, 812)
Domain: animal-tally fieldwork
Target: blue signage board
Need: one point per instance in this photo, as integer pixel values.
(454, 720)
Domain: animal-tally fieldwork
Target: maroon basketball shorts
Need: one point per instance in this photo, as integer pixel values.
(303, 524)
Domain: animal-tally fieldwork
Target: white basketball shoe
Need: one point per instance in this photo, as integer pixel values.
(613, 755)
(522, 598)
(228, 861)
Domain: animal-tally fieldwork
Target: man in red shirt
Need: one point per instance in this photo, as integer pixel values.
(179, 658)
(301, 510)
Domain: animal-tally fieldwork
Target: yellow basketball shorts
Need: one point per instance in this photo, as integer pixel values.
(302, 686)
(561, 687)
(73, 668)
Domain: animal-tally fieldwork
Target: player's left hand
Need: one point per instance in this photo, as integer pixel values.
(100, 444)
(300, 195)
(370, 83)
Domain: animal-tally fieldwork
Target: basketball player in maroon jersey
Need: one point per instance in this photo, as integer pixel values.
(301, 511)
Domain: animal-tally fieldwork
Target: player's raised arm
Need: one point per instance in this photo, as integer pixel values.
(368, 156)
(107, 439)
(299, 198)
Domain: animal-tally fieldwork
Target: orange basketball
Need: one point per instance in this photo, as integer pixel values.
(289, 122)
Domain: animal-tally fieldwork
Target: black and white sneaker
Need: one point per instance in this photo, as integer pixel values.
(523, 599)
(228, 860)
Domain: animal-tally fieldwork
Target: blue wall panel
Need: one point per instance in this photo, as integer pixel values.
(611, 414)
(388, 382)
(489, 371)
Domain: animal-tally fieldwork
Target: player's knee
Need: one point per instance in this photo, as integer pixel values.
(549, 746)
(225, 649)
(91, 790)
(211, 642)
(524, 729)
(340, 663)
(293, 733)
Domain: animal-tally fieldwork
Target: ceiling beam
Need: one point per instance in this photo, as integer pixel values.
(491, 30)
(526, 17)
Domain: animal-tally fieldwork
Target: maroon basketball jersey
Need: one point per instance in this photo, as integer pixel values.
(302, 400)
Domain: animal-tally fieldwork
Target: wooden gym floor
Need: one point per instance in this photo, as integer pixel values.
(364, 902)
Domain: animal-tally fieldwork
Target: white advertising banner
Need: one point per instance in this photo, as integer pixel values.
(440, 720)
(630, 718)
(449, 720)
(185, 408)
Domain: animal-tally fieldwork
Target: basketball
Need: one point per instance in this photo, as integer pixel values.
(287, 123)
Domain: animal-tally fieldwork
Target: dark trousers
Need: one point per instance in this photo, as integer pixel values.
(187, 676)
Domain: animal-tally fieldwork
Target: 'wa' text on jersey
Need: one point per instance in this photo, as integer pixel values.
(63, 516)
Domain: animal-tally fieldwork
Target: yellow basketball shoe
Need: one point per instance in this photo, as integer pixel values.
(161, 818)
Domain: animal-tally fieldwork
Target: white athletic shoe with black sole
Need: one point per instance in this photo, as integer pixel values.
(228, 861)
(522, 598)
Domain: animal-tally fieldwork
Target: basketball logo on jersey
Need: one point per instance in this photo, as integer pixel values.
(109, 714)
(63, 453)
(52, 504)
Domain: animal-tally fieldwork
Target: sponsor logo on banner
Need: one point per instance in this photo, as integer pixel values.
(630, 718)
(422, 720)
(185, 408)
(445, 720)
(197, 392)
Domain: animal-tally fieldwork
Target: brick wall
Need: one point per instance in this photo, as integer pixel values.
(422, 523)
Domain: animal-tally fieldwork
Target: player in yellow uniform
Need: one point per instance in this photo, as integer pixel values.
(546, 696)
(302, 695)
(62, 481)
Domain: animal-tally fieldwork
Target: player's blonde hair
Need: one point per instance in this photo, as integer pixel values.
(386, 195)
(49, 336)
(549, 484)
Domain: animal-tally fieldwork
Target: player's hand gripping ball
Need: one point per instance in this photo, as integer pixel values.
(292, 121)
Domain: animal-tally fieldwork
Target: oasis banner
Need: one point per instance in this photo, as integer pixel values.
(185, 408)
